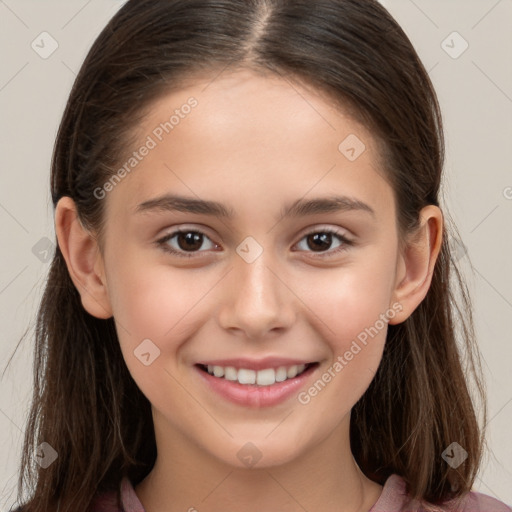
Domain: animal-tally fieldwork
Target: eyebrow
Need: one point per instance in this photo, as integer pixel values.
(298, 208)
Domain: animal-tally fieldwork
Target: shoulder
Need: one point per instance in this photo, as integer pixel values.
(479, 502)
(108, 502)
(394, 498)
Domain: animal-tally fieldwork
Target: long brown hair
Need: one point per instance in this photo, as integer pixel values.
(86, 405)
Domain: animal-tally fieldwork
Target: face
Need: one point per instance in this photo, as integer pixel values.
(263, 292)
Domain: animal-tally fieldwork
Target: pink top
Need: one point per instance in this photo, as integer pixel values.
(392, 499)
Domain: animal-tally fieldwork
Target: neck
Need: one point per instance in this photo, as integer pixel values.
(326, 478)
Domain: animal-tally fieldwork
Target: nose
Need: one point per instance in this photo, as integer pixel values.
(256, 300)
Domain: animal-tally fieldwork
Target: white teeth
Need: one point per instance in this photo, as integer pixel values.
(230, 373)
(218, 371)
(292, 371)
(246, 376)
(266, 377)
(281, 374)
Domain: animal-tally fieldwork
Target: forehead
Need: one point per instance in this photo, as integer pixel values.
(243, 134)
(249, 101)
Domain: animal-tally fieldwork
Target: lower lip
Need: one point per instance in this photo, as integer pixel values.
(252, 395)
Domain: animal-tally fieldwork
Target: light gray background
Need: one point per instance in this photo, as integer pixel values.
(475, 92)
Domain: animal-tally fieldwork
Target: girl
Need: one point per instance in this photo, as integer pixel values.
(251, 305)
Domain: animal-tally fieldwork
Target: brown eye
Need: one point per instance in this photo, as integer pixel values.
(321, 242)
(187, 241)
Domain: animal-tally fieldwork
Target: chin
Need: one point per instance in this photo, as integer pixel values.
(261, 453)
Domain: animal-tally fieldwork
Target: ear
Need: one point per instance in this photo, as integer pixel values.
(83, 259)
(415, 265)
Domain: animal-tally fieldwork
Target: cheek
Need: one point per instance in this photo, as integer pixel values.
(152, 302)
(352, 321)
(351, 314)
(349, 301)
(156, 304)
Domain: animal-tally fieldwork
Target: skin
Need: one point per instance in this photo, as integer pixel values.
(255, 143)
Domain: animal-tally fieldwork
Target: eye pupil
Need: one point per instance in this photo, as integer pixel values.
(192, 240)
(324, 239)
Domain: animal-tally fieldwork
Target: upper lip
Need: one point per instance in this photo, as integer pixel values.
(255, 364)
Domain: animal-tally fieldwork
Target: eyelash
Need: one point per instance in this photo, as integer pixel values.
(162, 243)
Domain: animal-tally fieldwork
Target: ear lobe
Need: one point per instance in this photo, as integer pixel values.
(83, 259)
(416, 265)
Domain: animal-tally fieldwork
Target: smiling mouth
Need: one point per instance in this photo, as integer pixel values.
(264, 377)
